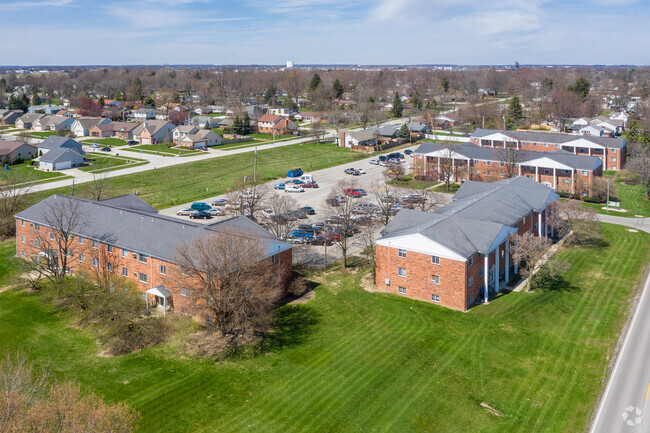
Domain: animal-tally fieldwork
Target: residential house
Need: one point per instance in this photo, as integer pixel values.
(226, 122)
(26, 120)
(154, 131)
(275, 124)
(592, 130)
(55, 142)
(203, 121)
(364, 140)
(459, 255)
(60, 159)
(16, 150)
(559, 169)
(445, 121)
(620, 115)
(281, 111)
(122, 130)
(48, 109)
(201, 139)
(53, 123)
(311, 117)
(418, 129)
(611, 150)
(130, 239)
(183, 130)
(9, 117)
(81, 126)
(143, 114)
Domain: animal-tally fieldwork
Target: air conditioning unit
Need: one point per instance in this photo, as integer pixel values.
(387, 281)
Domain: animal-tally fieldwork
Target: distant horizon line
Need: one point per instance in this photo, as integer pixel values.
(324, 65)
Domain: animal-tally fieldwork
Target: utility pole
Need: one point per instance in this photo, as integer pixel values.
(255, 167)
(607, 205)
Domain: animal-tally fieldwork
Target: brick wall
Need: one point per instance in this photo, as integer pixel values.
(172, 277)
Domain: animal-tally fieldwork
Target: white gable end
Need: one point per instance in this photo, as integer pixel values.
(420, 244)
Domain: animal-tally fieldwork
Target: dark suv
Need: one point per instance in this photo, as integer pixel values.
(202, 214)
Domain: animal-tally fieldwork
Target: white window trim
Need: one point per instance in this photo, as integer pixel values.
(399, 272)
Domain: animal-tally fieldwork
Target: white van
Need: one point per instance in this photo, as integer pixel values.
(307, 177)
(290, 187)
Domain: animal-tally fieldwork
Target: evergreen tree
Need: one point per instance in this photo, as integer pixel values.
(444, 83)
(149, 102)
(404, 132)
(36, 100)
(398, 108)
(246, 125)
(24, 102)
(416, 101)
(18, 103)
(101, 101)
(338, 88)
(315, 81)
(581, 87)
(515, 110)
(237, 126)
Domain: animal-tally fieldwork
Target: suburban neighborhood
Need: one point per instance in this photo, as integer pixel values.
(205, 226)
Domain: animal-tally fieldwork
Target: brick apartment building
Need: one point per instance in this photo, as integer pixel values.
(450, 256)
(560, 170)
(127, 237)
(611, 150)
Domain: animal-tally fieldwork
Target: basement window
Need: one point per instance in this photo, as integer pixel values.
(401, 290)
(435, 298)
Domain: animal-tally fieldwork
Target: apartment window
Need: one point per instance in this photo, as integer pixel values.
(142, 258)
(109, 248)
(502, 175)
(125, 272)
(81, 257)
(435, 279)
(142, 277)
(613, 150)
(401, 290)
(51, 236)
(22, 223)
(470, 282)
(502, 164)
(566, 181)
(435, 298)
(163, 269)
(22, 238)
(488, 162)
(489, 173)
(94, 244)
(481, 271)
(546, 171)
(37, 226)
(209, 320)
(545, 144)
(401, 272)
(81, 240)
(273, 259)
(109, 266)
(125, 253)
(584, 172)
(37, 243)
(613, 159)
(471, 261)
(435, 260)
(185, 292)
(401, 253)
(95, 262)
(22, 254)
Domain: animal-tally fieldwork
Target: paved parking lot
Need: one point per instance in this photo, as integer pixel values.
(326, 179)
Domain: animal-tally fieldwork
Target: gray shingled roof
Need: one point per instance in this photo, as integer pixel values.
(56, 142)
(551, 137)
(125, 223)
(60, 154)
(473, 151)
(478, 213)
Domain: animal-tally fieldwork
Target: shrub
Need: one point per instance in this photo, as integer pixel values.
(588, 199)
(127, 337)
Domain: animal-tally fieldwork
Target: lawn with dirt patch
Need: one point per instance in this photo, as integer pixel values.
(109, 141)
(98, 162)
(352, 361)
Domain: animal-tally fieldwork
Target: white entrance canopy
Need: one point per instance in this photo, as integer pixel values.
(161, 292)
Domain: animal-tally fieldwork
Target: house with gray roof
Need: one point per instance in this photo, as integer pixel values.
(9, 117)
(459, 255)
(358, 140)
(81, 126)
(559, 169)
(16, 150)
(59, 153)
(26, 120)
(140, 244)
(611, 150)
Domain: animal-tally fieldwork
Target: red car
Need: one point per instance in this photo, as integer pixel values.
(310, 185)
(353, 192)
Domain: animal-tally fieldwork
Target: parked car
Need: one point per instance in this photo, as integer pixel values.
(300, 213)
(105, 149)
(408, 152)
(94, 145)
(353, 192)
(414, 198)
(132, 142)
(339, 197)
(320, 240)
(185, 212)
(360, 170)
(199, 205)
(374, 161)
(306, 227)
(362, 220)
(249, 194)
(310, 210)
(268, 213)
(202, 214)
(383, 163)
(296, 172)
(332, 235)
(279, 186)
(334, 219)
(333, 202)
(389, 199)
(349, 171)
(362, 191)
(220, 202)
(293, 188)
(217, 212)
(383, 158)
(294, 182)
(288, 216)
(310, 185)
(301, 234)
(319, 227)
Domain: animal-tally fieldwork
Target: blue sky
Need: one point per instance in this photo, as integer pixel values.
(76, 32)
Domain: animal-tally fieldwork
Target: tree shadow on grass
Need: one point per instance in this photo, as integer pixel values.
(556, 284)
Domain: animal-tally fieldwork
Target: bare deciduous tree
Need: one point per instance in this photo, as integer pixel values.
(280, 223)
(14, 188)
(527, 250)
(233, 285)
(344, 215)
(248, 199)
(579, 221)
(641, 166)
(511, 157)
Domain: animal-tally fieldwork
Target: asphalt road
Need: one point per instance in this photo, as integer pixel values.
(624, 407)
(634, 223)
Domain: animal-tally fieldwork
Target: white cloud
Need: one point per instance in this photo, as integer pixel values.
(22, 5)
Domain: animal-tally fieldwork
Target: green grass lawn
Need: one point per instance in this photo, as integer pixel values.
(218, 130)
(631, 198)
(408, 182)
(41, 134)
(101, 163)
(6, 131)
(443, 188)
(27, 169)
(352, 361)
(161, 149)
(8, 263)
(262, 136)
(183, 183)
(109, 141)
